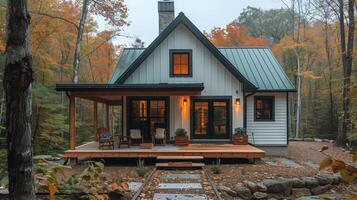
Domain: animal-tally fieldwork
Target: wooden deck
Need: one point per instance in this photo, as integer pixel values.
(91, 150)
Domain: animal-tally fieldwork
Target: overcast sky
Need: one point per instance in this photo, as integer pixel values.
(205, 14)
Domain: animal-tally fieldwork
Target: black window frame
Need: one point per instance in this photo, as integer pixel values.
(180, 51)
(272, 98)
(210, 99)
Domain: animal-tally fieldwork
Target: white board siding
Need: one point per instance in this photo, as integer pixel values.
(268, 132)
(206, 69)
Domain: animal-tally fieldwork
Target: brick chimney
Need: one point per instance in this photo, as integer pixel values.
(166, 10)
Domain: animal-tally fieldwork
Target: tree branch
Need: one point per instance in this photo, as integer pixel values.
(104, 41)
(55, 17)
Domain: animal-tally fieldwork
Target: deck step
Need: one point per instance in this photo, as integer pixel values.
(179, 157)
(180, 165)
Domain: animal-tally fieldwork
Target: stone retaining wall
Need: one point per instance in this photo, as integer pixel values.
(281, 188)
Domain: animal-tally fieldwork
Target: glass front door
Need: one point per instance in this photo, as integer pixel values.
(210, 118)
(147, 114)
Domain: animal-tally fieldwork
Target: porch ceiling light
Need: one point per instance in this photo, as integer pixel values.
(237, 101)
(185, 102)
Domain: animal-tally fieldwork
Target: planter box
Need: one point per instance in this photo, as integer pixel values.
(240, 139)
(146, 145)
(181, 140)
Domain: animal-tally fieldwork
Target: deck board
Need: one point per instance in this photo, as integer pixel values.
(90, 150)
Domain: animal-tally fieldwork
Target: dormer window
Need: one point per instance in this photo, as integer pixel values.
(180, 63)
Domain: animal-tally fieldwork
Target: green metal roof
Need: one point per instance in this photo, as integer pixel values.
(260, 67)
(127, 57)
(257, 64)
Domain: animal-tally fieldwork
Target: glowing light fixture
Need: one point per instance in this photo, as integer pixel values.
(237, 101)
(185, 102)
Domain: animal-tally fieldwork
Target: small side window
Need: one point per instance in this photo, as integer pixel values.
(180, 63)
(264, 108)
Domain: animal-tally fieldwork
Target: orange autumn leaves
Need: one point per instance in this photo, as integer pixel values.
(53, 31)
(233, 35)
(348, 172)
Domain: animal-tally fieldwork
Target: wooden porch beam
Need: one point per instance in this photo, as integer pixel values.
(72, 122)
(136, 93)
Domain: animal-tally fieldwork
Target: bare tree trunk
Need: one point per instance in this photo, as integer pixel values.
(298, 95)
(347, 57)
(329, 65)
(77, 53)
(18, 89)
(2, 108)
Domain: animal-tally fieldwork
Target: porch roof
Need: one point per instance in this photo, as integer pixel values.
(112, 93)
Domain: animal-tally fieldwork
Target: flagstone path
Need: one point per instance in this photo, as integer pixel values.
(178, 185)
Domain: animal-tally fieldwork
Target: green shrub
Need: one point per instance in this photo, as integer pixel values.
(141, 172)
(240, 131)
(216, 169)
(180, 132)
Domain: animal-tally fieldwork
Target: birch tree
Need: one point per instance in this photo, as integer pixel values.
(113, 11)
(18, 90)
(299, 11)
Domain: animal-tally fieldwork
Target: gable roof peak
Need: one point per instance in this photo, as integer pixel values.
(182, 19)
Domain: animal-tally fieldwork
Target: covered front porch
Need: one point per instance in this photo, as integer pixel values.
(174, 113)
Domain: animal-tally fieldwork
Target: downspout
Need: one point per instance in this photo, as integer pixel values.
(245, 108)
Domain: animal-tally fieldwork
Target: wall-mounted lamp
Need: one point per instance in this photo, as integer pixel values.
(237, 101)
(185, 102)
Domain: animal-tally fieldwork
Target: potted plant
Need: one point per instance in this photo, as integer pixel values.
(240, 136)
(181, 137)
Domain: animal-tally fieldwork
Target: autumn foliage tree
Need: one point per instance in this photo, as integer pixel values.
(233, 35)
(53, 30)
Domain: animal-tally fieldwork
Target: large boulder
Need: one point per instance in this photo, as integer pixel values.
(310, 182)
(321, 189)
(300, 192)
(278, 185)
(336, 179)
(297, 183)
(260, 195)
(227, 190)
(324, 180)
(242, 191)
(251, 185)
(261, 187)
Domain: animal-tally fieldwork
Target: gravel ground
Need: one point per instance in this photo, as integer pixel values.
(309, 151)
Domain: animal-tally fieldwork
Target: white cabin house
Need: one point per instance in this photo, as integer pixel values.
(241, 86)
(181, 80)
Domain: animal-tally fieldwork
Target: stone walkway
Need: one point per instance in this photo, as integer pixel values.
(178, 185)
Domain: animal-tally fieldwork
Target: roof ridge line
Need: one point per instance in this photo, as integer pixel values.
(245, 47)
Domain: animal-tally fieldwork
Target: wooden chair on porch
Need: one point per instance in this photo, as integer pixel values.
(135, 136)
(160, 135)
(105, 139)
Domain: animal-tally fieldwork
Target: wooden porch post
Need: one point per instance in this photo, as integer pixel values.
(95, 120)
(72, 122)
(107, 117)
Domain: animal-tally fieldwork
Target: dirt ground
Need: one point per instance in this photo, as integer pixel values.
(309, 151)
(231, 174)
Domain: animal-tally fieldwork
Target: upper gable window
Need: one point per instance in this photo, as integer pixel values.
(180, 63)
